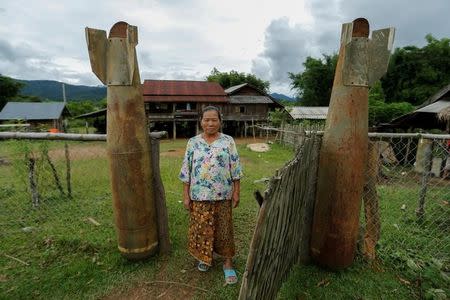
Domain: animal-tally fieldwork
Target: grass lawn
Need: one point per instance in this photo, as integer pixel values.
(57, 250)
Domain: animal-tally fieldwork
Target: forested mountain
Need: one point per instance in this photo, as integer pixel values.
(283, 97)
(52, 90)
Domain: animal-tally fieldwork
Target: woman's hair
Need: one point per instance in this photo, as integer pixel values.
(209, 108)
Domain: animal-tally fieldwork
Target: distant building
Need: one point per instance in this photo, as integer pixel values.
(308, 112)
(40, 115)
(175, 106)
(425, 116)
(247, 105)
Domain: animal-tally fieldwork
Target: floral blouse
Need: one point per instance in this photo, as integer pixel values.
(210, 169)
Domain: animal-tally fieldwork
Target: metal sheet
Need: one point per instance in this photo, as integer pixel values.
(380, 47)
(355, 69)
(96, 42)
(120, 65)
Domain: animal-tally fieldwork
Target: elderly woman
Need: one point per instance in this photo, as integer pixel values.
(211, 175)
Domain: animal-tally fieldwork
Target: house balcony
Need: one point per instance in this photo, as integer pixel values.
(177, 115)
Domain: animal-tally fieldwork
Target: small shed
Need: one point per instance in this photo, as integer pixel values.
(40, 115)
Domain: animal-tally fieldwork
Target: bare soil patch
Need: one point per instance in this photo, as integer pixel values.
(79, 152)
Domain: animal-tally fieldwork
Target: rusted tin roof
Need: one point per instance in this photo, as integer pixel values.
(309, 112)
(235, 88)
(183, 91)
(249, 99)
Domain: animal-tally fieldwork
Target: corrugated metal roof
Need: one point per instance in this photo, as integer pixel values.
(182, 88)
(248, 99)
(308, 112)
(178, 98)
(32, 110)
(442, 93)
(234, 88)
(435, 107)
(97, 113)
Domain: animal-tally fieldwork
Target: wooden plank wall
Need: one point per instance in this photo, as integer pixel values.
(282, 233)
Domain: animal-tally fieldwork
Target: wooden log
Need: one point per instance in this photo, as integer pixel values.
(52, 136)
(371, 203)
(68, 170)
(428, 160)
(162, 220)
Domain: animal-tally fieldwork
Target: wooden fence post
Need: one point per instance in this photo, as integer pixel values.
(428, 159)
(68, 178)
(160, 200)
(371, 203)
(32, 178)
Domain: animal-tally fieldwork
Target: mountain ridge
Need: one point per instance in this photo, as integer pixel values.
(52, 90)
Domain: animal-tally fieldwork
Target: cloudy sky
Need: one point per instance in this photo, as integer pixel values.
(186, 39)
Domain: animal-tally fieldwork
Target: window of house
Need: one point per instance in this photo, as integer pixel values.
(242, 109)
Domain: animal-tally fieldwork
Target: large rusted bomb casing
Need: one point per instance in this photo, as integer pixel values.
(114, 61)
(343, 153)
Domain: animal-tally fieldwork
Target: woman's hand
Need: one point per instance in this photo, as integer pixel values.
(235, 200)
(187, 203)
(236, 192)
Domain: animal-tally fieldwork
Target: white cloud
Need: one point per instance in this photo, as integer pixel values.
(181, 39)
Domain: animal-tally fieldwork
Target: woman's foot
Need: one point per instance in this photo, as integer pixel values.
(229, 272)
(230, 276)
(203, 267)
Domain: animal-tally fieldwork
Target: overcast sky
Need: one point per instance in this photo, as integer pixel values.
(186, 39)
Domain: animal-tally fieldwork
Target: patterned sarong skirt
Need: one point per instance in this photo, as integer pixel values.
(211, 230)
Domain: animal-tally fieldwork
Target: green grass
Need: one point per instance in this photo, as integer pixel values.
(55, 252)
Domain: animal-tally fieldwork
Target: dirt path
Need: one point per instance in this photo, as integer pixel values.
(164, 286)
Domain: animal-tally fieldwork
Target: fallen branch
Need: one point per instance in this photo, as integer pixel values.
(16, 259)
(93, 221)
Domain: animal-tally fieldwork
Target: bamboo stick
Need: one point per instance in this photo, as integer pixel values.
(32, 181)
(54, 172)
(68, 170)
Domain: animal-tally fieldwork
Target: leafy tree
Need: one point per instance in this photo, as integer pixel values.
(414, 74)
(9, 88)
(233, 78)
(381, 112)
(278, 116)
(314, 84)
(81, 107)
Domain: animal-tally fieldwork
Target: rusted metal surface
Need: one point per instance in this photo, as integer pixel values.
(380, 47)
(342, 158)
(127, 141)
(366, 60)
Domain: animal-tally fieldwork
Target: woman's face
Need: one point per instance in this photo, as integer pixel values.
(210, 122)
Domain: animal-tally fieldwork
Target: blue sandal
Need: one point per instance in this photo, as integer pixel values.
(203, 267)
(230, 276)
